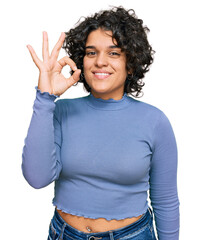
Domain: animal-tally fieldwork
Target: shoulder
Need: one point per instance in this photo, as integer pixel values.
(155, 116)
(67, 104)
(70, 101)
(145, 109)
(150, 114)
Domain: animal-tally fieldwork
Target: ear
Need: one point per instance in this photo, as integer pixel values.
(130, 72)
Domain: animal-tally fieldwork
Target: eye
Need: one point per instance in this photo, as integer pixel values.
(114, 54)
(92, 53)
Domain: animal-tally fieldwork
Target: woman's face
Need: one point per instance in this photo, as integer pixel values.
(104, 66)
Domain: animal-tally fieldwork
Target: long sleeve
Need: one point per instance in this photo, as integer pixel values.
(163, 181)
(41, 162)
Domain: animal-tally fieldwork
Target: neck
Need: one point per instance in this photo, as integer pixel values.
(106, 96)
(108, 104)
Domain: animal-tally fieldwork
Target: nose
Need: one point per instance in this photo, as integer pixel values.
(101, 60)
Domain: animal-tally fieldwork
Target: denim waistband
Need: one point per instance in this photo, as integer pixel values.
(112, 234)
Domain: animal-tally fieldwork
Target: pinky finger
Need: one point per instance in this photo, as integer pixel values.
(35, 58)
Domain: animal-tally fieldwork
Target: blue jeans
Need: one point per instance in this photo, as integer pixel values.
(142, 229)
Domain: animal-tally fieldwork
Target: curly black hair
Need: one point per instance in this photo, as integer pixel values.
(130, 35)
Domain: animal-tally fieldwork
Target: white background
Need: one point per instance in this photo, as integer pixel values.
(173, 85)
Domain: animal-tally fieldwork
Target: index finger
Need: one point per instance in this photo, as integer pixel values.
(67, 61)
(57, 47)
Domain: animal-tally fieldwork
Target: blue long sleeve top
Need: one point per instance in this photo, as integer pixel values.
(104, 156)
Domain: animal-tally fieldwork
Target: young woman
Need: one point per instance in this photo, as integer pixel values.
(104, 151)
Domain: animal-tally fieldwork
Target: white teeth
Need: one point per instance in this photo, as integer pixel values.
(102, 74)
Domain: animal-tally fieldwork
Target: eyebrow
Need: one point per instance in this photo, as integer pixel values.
(93, 47)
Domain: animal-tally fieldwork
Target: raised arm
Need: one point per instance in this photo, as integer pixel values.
(41, 162)
(163, 181)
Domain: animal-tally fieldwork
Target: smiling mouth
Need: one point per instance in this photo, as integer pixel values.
(101, 75)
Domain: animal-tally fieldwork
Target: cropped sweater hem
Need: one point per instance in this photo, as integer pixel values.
(93, 217)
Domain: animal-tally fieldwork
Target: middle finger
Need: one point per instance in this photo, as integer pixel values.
(45, 46)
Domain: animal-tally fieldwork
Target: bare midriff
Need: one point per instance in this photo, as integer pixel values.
(89, 225)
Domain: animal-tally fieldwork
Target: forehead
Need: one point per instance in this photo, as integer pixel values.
(100, 38)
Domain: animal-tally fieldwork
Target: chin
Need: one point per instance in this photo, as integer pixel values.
(100, 89)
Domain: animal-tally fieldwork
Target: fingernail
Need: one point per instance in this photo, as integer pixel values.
(74, 68)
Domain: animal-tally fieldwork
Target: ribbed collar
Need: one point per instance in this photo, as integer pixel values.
(110, 104)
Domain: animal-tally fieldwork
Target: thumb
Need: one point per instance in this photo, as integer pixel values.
(76, 75)
(74, 78)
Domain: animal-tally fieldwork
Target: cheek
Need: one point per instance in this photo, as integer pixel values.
(84, 63)
(86, 69)
(124, 70)
(87, 63)
(121, 68)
